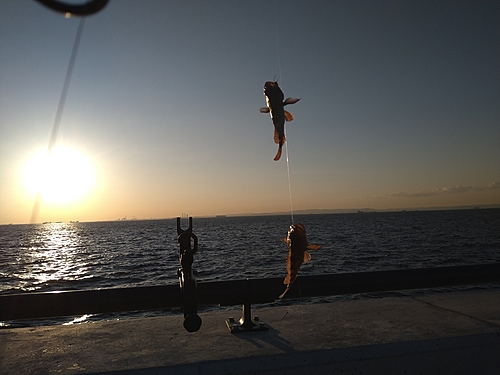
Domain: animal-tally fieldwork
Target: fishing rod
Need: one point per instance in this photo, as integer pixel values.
(84, 9)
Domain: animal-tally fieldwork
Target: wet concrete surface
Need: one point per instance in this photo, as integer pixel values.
(455, 333)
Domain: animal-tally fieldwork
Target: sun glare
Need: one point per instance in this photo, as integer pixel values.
(63, 176)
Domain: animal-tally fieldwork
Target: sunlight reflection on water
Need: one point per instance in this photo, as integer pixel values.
(77, 256)
(69, 256)
(48, 253)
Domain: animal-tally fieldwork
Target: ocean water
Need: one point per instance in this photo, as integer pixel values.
(75, 256)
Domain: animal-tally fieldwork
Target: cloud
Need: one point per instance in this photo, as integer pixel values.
(459, 189)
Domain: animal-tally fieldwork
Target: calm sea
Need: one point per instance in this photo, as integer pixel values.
(69, 256)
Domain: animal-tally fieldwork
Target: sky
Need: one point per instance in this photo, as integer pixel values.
(400, 108)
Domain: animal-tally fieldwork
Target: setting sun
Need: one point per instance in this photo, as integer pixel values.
(61, 177)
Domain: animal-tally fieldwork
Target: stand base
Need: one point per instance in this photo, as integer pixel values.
(246, 323)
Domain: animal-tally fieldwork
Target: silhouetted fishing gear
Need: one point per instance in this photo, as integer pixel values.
(84, 9)
(187, 281)
(289, 179)
(246, 322)
(278, 63)
(296, 238)
(278, 60)
(59, 112)
(275, 107)
(189, 289)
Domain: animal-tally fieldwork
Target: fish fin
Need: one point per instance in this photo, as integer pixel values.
(285, 241)
(313, 247)
(290, 101)
(288, 116)
(264, 109)
(307, 257)
(286, 280)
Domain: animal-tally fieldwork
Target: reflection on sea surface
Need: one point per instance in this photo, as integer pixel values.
(48, 253)
(69, 256)
(64, 256)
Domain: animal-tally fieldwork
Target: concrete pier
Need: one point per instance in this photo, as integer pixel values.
(455, 333)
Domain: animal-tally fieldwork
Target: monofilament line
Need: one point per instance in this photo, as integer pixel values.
(289, 182)
(278, 61)
(281, 83)
(60, 110)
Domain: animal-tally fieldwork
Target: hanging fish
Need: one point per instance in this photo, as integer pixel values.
(297, 253)
(275, 107)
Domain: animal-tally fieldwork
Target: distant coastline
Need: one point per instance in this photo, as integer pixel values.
(315, 211)
(312, 211)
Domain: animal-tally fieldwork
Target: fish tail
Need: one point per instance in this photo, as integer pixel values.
(286, 290)
(278, 154)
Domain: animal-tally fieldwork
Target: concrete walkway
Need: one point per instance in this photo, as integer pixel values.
(455, 333)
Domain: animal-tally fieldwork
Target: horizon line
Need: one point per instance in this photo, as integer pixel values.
(310, 211)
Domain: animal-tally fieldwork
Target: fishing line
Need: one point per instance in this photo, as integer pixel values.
(60, 110)
(278, 60)
(289, 182)
(278, 63)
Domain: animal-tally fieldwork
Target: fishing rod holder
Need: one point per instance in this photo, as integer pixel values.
(189, 288)
(246, 323)
(187, 281)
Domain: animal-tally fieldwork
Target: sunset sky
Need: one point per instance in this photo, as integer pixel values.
(400, 107)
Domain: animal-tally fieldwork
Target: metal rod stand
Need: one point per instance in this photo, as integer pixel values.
(246, 323)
